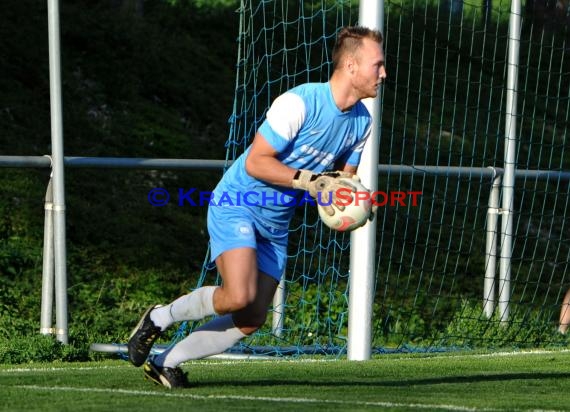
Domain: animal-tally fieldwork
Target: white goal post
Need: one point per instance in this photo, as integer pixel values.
(363, 240)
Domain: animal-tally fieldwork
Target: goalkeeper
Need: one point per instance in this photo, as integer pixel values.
(309, 130)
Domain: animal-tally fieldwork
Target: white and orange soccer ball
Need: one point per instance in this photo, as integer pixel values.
(356, 211)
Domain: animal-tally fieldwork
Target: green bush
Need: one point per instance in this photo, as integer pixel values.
(18, 349)
(471, 328)
(133, 86)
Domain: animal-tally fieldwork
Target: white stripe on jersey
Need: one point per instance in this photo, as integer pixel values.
(287, 125)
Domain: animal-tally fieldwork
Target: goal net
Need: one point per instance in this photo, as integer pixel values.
(442, 133)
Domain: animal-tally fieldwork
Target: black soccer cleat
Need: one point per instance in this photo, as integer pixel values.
(170, 378)
(142, 338)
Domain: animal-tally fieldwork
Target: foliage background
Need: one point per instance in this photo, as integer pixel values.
(153, 82)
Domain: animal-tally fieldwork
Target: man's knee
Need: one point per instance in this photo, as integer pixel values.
(240, 300)
(232, 300)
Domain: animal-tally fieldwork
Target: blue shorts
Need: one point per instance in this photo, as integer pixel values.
(232, 227)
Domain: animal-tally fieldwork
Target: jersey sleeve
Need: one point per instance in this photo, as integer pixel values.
(283, 121)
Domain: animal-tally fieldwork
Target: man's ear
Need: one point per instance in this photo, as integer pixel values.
(350, 63)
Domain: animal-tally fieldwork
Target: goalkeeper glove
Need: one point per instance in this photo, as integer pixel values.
(326, 183)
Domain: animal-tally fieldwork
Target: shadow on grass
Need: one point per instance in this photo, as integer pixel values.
(445, 380)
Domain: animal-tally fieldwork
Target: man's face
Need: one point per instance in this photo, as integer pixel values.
(370, 71)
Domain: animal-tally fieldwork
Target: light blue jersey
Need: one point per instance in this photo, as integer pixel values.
(308, 131)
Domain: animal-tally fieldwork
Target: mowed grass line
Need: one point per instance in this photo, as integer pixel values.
(448, 382)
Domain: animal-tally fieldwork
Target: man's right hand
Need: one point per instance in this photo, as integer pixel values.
(326, 183)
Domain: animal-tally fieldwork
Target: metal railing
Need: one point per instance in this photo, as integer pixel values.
(53, 271)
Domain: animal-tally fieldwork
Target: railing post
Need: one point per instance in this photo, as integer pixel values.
(493, 211)
(279, 308)
(47, 266)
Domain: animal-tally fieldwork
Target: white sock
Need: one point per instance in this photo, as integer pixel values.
(209, 339)
(193, 306)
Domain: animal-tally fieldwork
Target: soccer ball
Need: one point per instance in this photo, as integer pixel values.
(355, 213)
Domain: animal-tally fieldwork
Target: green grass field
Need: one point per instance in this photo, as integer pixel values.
(526, 381)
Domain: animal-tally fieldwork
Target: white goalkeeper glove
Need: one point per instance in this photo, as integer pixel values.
(326, 183)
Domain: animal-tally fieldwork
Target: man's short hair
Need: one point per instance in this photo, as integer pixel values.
(349, 39)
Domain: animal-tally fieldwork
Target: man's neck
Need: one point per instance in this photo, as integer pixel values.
(342, 92)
